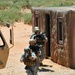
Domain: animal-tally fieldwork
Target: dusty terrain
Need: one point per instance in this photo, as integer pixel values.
(22, 33)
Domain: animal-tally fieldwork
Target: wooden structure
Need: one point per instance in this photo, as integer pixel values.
(59, 25)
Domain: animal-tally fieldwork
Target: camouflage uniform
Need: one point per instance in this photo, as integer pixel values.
(31, 68)
(36, 49)
(40, 41)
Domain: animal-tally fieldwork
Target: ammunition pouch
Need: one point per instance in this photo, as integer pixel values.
(39, 42)
(28, 62)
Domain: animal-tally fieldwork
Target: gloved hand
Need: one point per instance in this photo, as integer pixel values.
(31, 58)
(21, 60)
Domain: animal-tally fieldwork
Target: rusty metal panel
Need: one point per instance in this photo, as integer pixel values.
(63, 56)
(54, 37)
(35, 17)
(61, 52)
(67, 36)
(71, 30)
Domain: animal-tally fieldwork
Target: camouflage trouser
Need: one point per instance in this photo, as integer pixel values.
(32, 70)
(41, 58)
(38, 63)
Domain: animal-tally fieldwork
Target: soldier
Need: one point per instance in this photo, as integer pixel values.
(29, 59)
(36, 49)
(40, 39)
(34, 32)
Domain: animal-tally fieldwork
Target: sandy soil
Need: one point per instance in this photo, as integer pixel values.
(22, 33)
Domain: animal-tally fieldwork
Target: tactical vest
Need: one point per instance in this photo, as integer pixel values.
(39, 40)
(28, 62)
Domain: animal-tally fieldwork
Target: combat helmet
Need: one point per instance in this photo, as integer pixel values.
(36, 29)
(31, 41)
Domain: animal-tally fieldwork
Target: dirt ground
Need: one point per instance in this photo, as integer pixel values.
(22, 33)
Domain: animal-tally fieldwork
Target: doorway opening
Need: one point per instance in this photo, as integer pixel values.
(36, 21)
(47, 31)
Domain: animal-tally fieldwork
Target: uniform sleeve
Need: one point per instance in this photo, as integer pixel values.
(44, 36)
(32, 36)
(22, 57)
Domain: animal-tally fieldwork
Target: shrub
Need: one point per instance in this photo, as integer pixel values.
(27, 18)
(10, 15)
(10, 10)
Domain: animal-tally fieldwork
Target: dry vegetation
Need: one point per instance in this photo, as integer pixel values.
(16, 8)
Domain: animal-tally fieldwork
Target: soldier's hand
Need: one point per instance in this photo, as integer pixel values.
(39, 53)
(31, 58)
(21, 60)
(44, 41)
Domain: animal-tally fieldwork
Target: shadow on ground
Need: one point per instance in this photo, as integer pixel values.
(45, 70)
(47, 65)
